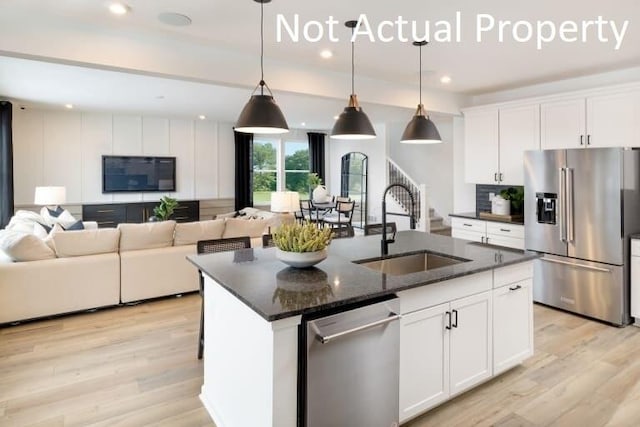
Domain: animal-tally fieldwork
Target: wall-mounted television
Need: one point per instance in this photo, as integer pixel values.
(138, 173)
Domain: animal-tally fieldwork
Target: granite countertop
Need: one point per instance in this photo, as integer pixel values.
(276, 291)
(473, 215)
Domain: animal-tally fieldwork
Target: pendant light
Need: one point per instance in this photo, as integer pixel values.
(353, 123)
(262, 114)
(421, 130)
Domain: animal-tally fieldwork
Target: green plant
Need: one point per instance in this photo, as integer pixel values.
(165, 209)
(314, 180)
(516, 196)
(301, 238)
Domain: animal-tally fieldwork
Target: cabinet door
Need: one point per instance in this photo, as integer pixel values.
(635, 285)
(512, 325)
(519, 131)
(506, 241)
(467, 235)
(481, 146)
(612, 120)
(562, 124)
(470, 340)
(424, 360)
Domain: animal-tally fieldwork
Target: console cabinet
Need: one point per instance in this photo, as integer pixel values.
(112, 214)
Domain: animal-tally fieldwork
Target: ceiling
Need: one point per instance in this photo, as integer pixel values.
(221, 48)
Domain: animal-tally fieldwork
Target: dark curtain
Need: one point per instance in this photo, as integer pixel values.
(244, 170)
(6, 164)
(316, 154)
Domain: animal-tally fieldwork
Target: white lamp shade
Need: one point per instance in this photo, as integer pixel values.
(50, 196)
(285, 201)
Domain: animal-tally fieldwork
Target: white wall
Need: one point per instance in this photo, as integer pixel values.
(375, 149)
(432, 165)
(464, 195)
(65, 148)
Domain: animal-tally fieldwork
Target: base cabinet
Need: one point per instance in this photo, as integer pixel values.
(494, 233)
(479, 327)
(512, 325)
(444, 350)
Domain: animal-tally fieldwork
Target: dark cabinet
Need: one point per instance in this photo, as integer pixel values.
(112, 214)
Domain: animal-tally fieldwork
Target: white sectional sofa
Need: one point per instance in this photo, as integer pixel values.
(86, 269)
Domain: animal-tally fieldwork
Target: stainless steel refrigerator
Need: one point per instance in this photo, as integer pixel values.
(581, 206)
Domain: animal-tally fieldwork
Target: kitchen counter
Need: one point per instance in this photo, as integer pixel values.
(473, 215)
(275, 291)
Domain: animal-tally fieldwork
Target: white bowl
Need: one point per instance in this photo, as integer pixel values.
(301, 259)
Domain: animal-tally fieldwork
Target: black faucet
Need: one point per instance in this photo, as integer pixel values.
(384, 244)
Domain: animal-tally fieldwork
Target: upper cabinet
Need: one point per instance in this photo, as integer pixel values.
(495, 139)
(611, 120)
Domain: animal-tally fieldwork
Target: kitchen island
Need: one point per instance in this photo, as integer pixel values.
(254, 306)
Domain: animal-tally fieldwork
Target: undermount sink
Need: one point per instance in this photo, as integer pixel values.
(411, 263)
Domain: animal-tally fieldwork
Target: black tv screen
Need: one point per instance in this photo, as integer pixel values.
(138, 173)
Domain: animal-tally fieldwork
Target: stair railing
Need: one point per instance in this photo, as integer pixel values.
(395, 175)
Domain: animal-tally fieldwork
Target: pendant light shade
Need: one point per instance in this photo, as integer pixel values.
(353, 123)
(421, 130)
(261, 114)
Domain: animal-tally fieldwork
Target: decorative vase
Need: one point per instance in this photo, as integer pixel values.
(320, 194)
(500, 206)
(301, 259)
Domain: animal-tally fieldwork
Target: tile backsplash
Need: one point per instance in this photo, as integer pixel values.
(483, 204)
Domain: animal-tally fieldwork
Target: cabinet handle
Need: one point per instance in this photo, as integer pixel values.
(448, 321)
(105, 211)
(515, 288)
(455, 322)
(495, 177)
(481, 239)
(500, 177)
(581, 139)
(181, 217)
(467, 225)
(505, 230)
(588, 139)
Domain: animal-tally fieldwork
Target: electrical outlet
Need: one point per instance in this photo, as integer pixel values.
(491, 196)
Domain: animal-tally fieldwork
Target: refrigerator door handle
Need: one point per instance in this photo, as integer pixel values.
(569, 205)
(562, 203)
(587, 267)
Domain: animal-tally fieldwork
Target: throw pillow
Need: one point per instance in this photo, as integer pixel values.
(63, 218)
(24, 221)
(24, 247)
(148, 235)
(86, 242)
(41, 230)
(188, 233)
(55, 212)
(75, 226)
(235, 227)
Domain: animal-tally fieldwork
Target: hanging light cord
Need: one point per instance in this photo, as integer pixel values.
(353, 67)
(420, 75)
(262, 83)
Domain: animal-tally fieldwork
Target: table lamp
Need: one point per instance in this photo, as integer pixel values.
(285, 201)
(51, 197)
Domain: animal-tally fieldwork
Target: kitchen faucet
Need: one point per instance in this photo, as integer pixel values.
(384, 243)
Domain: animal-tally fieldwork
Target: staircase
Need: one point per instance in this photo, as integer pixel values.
(395, 175)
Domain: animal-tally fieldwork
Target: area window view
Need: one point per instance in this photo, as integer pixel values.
(279, 166)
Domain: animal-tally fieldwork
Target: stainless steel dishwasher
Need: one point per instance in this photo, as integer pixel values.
(352, 371)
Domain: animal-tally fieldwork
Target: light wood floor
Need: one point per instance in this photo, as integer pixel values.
(137, 366)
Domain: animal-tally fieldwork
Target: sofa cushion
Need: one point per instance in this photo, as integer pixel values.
(188, 233)
(236, 227)
(24, 221)
(148, 235)
(21, 246)
(85, 242)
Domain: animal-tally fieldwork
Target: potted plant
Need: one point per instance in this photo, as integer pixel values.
(301, 245)
(165, 209)
(515, 195)
(319, 193)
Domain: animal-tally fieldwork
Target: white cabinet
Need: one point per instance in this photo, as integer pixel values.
(495, 140)
(512, 325)
(424, 360)
(610, 120)
(481, 146)
(444, 350)
(470, 342)
(495, 233)
(635, 279)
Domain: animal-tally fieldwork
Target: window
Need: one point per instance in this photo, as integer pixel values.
(278, 166)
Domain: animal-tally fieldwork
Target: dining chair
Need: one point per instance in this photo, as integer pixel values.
(209, 247)
(267, 241)
(342, 214)
(342, 231)
(310, 212)
(371, 229)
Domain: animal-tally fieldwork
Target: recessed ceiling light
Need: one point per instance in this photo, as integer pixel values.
(202, 117)
(68, 106)
(326, 53)
(303, 124)
(335, 117)
(445, 79)
(175, 19)
(119, 8)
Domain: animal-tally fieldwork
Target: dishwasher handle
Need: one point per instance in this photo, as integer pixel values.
(324, 339)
